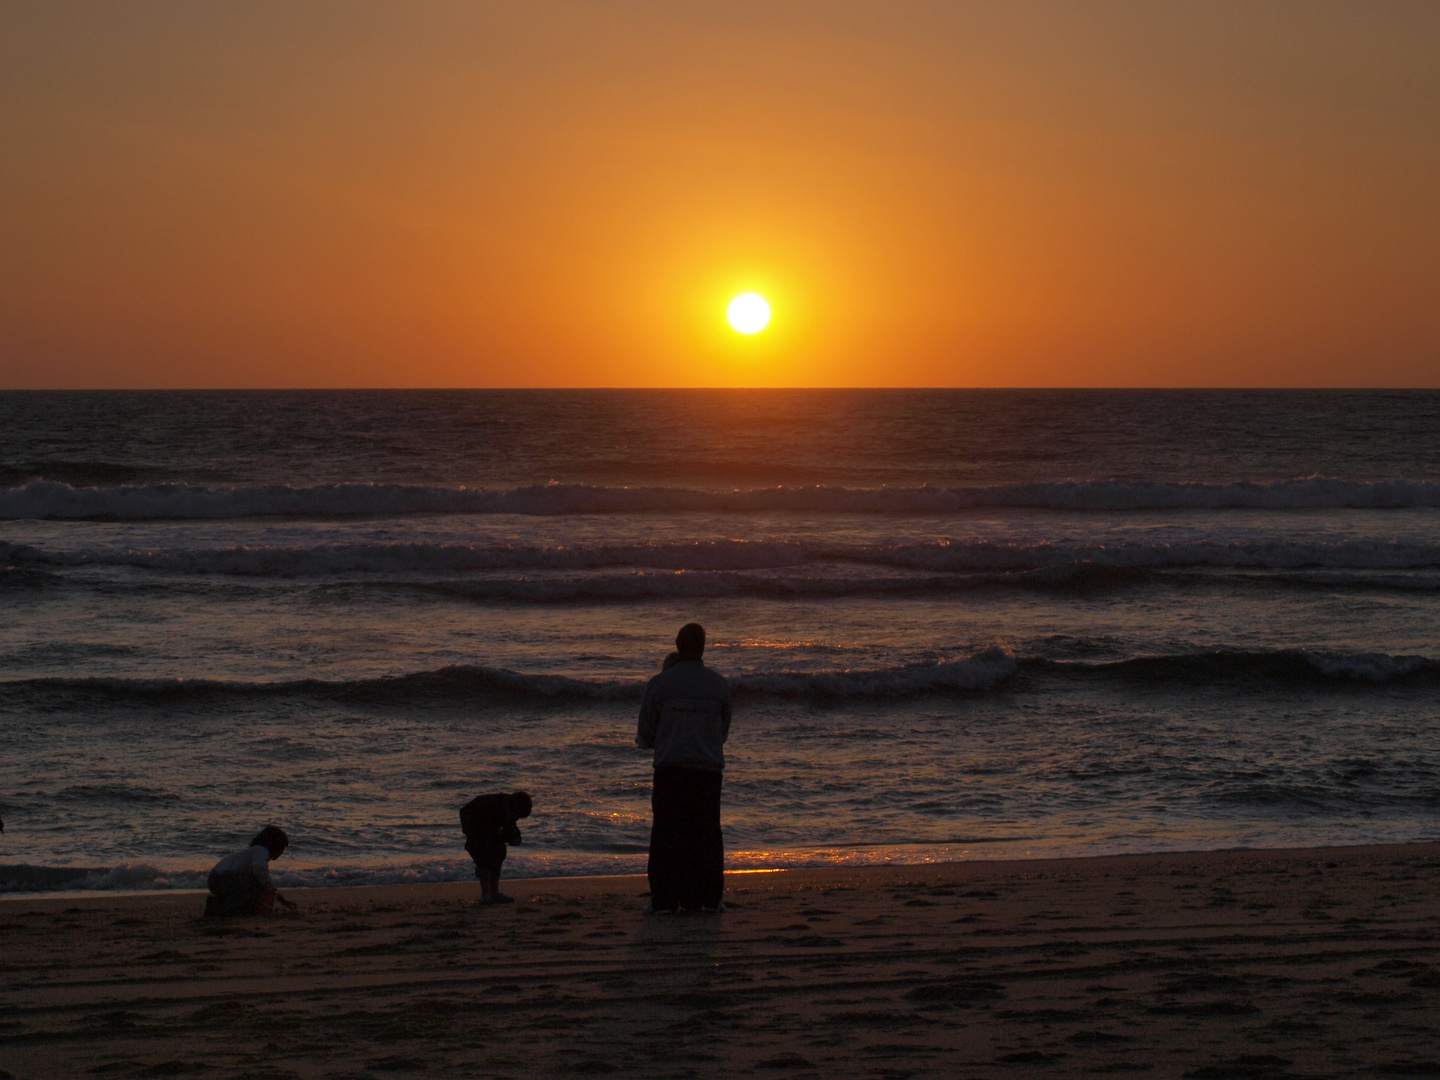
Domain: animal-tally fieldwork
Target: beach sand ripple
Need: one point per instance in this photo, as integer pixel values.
(1215, 965)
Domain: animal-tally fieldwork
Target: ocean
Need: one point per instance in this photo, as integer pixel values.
(957, 624)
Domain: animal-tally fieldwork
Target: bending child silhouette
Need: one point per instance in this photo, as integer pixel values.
(489, 824)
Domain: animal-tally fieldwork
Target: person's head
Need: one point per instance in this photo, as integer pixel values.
(273, 839)
(690, 642)
(520, 804)
(670, 661)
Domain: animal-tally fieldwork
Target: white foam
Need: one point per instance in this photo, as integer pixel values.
(130, 876)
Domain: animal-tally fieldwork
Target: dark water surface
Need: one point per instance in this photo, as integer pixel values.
(958, 623)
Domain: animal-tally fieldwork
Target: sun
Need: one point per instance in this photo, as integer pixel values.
(749, 313)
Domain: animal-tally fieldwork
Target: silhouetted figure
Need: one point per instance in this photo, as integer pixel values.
(685, 719)
(240, 883)
(489, 824)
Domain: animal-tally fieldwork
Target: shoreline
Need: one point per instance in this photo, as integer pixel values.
(733, 878)
(1240, 963)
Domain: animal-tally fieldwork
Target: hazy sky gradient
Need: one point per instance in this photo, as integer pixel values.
(566, 194)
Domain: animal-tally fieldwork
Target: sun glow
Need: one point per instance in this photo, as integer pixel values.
(749, 313)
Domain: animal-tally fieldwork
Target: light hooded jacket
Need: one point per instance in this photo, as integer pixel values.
(685, 717)
(252, 862)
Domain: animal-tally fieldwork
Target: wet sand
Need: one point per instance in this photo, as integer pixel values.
(1223, 964)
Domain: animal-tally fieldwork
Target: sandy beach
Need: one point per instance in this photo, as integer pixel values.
(1320, 962)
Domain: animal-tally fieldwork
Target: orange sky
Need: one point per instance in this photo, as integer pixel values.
(567, 194)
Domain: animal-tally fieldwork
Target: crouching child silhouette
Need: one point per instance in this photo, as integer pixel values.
(240, 883)
(489, 824)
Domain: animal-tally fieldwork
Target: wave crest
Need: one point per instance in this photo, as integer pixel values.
(1319, 667)
(737, 556)
(51, 500)
(980, 671)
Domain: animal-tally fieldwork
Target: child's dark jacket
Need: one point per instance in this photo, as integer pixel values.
(488, 827)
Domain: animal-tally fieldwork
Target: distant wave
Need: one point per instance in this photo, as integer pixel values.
(47, 499)
(1289, 665)
(635, 585)
(795, 585)
(939, 557)
(72, 471)
(1083, 577)
(17, 577)
(981, 671)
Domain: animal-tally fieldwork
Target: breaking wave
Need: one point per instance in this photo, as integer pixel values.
(129, 876)
(51, 500)
(942, 556)
(1288, 665)
(982, 671)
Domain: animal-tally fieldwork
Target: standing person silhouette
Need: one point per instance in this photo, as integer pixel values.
(685, 719)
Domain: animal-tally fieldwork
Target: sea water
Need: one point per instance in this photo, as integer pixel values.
(957, 624)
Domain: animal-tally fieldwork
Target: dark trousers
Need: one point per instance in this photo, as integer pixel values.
(489, 855)
(238, 893)
(687, 852)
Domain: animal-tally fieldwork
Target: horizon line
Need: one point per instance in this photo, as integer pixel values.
(700, 389)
